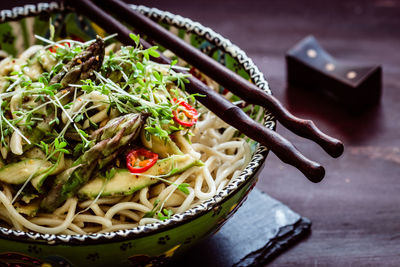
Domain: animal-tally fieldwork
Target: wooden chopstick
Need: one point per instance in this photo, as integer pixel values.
(227, 78)
(223, 108)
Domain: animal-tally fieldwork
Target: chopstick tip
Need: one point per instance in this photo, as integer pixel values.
(316, 173)
(338, 149)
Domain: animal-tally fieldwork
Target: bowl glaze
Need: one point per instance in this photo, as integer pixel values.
(151, 244)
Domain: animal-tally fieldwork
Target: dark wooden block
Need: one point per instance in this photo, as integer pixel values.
(310, 66)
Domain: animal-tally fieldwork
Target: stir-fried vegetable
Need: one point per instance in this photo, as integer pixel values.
(101, 154)
(82, 109)
(185, 114)
(140, 160)
(53, 49)
(81, 66)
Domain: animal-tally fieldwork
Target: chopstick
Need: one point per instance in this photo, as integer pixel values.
(224, 76)
(223, 108)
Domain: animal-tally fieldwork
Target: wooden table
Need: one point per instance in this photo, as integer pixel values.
(356, 209)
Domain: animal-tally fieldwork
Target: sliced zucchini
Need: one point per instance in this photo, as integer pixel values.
(34, 153)
(37, 182)
(28, 197)
(164, 148)
(19, 172)
(125, 183)
(38, 133)
(30, 209)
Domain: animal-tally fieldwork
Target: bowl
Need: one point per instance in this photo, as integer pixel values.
(153, 243)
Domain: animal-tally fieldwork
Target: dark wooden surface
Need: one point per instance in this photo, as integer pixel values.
(356, 209)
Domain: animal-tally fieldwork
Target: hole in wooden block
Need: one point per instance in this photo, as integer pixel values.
(330, 67)
(311, 53)
(351, 75)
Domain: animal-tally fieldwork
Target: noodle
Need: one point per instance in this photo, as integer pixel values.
(143, 197)
(125, 206)
(37, 228)
(97, 210)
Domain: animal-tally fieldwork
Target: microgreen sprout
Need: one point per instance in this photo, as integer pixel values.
(164, 214)
(48, 113)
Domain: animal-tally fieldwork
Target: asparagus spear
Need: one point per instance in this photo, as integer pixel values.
(116, 134)
(82, 66)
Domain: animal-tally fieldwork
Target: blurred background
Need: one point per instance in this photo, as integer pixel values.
(355, 209)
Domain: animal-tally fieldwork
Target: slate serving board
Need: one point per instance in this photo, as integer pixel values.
(260, 230)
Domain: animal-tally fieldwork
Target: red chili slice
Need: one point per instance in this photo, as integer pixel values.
(185, 114)
(140, 160)
(53, 49)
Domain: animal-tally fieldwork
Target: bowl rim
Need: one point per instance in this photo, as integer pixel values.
(234, 186)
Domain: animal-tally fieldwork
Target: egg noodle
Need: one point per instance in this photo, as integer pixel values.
(71, 114)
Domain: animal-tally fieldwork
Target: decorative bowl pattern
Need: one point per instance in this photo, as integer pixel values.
(150, 244)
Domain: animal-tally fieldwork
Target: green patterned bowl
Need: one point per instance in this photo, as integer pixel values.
(146, 245)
